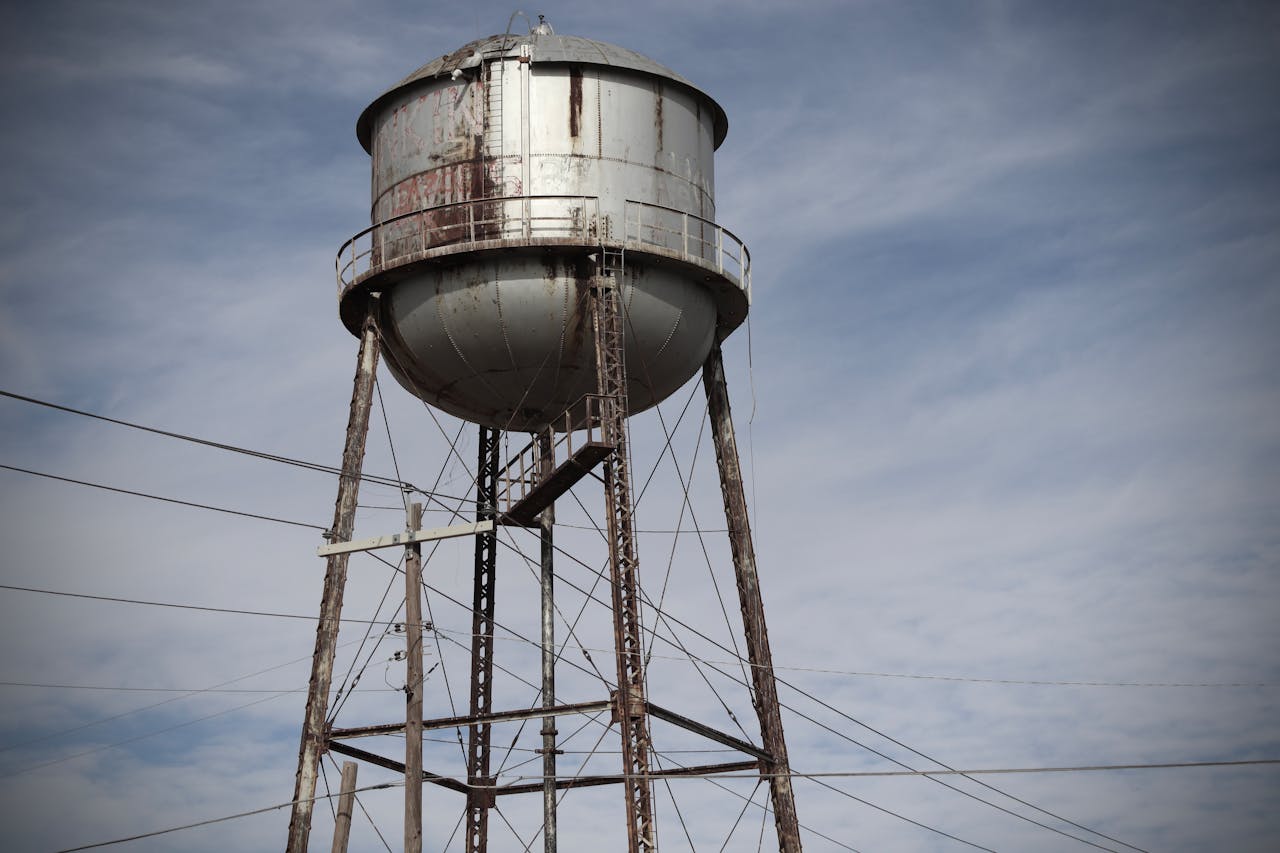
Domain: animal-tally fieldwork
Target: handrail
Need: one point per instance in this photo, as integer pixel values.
(390, 241)
(527, 220)
(529, 466)
(690, 236)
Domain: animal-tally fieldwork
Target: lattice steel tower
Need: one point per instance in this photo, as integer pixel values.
(544, 260)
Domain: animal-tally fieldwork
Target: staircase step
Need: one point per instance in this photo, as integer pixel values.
(585, 458)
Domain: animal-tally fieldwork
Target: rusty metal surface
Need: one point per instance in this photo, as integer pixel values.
(495, 156)
(546, 50)
(453, 722)
(479, 799)
(614, 779)
(495, 224)
(546, 525)
(624, 562)
(397, 766)
(506, 342)
(535, 197)
(574, 130)
(335, 581)
(765, 693)
(691, 725)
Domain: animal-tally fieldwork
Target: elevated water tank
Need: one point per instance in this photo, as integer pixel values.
(505, 176)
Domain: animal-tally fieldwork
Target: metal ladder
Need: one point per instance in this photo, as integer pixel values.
(631, 705)
(494, 70)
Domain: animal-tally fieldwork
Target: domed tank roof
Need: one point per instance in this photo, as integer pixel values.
(545, 48)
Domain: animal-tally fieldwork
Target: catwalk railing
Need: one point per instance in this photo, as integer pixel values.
(541, 219)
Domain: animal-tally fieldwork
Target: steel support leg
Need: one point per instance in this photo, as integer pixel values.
(335, 581)
(765, 693)
(623, 564)
(546, 524)
(479, 801)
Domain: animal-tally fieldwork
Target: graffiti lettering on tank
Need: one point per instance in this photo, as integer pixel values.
(457, 115)
(438, 126)
(446, 185)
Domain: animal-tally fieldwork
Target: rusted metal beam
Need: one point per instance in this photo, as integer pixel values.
(546, 524)
(555, 483)
(335, 581)
(397, 766)
(706, 731)
(765, 691)
(479, 797)
(624, 563)
(614, 779)
(454, 722)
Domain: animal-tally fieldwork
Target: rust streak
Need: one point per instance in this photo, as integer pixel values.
(657, 116)
(575, 102)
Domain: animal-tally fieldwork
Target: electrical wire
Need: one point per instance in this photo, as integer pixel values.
(174, 605)
(129, 689)
(818, 670)
(872, 805)
(170, 700)
(911, 821)
(852, 719)
(204, 442)
(738, 656)
(161, 498)
(222, 819)
(150, 734)
(867, 774)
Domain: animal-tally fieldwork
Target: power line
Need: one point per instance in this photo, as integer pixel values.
(161, 498)
(222, 819)
(858, 722)
(818, 670)
(862, 774)
(162, 702)
(123, 689)
(137, 738)
(843, 793)
(1087, 768)
(866, 674)
(217, 445)
(1027, 681)
(177, 606)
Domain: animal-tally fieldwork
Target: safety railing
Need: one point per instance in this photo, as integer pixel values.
(512, 218)
(581, 425)
(691, 237)
(529, 219)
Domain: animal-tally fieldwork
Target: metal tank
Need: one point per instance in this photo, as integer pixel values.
(505, 176)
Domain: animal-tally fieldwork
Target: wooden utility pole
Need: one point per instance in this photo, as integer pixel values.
(314, 736)
(413, 688)
(346, 802)
(765, 693)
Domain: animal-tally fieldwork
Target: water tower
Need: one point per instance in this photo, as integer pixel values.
(544, 259)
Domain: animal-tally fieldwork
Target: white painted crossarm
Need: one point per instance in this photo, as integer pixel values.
(405, 538)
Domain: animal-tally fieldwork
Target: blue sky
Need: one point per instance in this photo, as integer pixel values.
(1010, 412)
